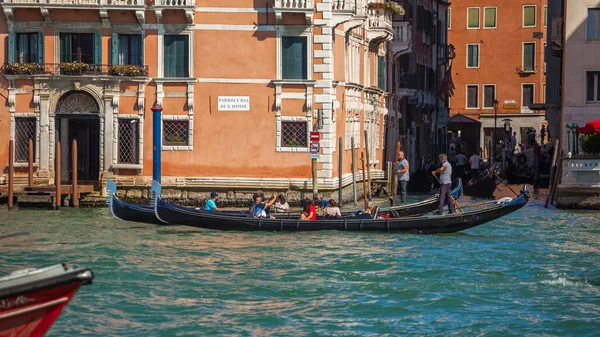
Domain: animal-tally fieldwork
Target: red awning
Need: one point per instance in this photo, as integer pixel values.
(590, 127)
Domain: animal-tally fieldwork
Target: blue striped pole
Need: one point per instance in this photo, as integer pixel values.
(156, 140)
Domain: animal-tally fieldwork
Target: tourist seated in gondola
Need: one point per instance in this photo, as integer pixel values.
(309, 212)
(260, 206)
(332, 210)
(281, 205)
(320, 206)
(211, 204)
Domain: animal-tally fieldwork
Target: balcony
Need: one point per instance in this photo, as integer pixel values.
(342, 11)
(407, 85)
(102, 5)
(401, 44)
(305, 7)
(74, 69)
(188, 6)
(380, 25)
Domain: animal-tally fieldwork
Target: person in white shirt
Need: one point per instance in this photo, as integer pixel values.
(445, 180)
(461, 161)
(475, 161)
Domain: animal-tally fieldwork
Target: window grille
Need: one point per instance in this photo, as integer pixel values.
(293, 134)
(176, 133)
(24, 130)
(129, 145)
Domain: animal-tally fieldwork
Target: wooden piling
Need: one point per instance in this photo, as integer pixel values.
(362, 160)
(340, 168)
(75, 192)
(368, 165)
(394, 186)
(57, 197)
(552, 173)
(30, 163)
(314, 178)
(11, 172)
(353, 171)
(558, 176)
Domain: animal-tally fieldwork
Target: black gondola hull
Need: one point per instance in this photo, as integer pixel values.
(424, 225)
(482, 188)
(131, 212)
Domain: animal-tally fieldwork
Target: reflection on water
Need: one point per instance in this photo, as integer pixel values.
(536, 266)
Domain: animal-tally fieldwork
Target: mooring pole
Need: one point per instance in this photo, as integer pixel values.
(75, 193)
(340, 167)
(394, 186)
(368, 165)
(353, 170)
(30, 163)
(58, 197)
(362, 160)
(11, 171)
(156, 140)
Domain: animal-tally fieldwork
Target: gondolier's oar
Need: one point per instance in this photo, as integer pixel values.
(462, 210)
(505, 184)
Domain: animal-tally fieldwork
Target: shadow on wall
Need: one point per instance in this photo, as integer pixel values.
(263, 18)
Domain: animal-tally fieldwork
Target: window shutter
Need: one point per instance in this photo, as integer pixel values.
(65, 47)
(115, 48)
(23, 48)
(40, 47)
(12, 41)
(294, 58)
(141, 49)
(169, 56)
(97, 48)
(591, 27)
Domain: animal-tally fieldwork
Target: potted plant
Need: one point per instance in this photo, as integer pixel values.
(590, 143)
(14, 68)
(128, 70)
(388, 6)
(73, 68)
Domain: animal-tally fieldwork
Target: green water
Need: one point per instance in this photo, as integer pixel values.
(532, 273)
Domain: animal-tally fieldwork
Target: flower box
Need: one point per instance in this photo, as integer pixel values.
(23, 68)
(388, 6)
(73, 68)
(128, 70)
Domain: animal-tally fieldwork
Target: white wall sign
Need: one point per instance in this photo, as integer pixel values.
(234, 103)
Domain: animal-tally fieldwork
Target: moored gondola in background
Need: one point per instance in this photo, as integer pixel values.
(132, 212)
(482, 188)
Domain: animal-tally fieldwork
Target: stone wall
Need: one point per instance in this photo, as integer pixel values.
(579, 187)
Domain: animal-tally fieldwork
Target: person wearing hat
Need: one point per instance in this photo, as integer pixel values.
(211, 203)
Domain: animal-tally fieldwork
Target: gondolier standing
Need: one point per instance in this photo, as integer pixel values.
(403, 176)
(445, 180)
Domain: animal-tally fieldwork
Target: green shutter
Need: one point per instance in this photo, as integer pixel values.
(141, 51)
(65, 47)
(528, 57)
(12, 41)
(97, 48)
(115, 48)
(529, 16)
(591, 26)
(473, 17)
(490, 17)
(169, 56)
(40, 46)
(294, 58)
(381, 73)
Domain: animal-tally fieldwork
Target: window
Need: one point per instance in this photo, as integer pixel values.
(529, 57)
(177, 57)
(489, 17)
(294, 58)
(489, 95)
(80, 47)
(27, 48)
(593, 86)
(129, 141)
(24, 131)
(381, 72)
(593, 26)
(472, 56)
(449, 18)
(175, 133)
(545, 16)
(127, 49)
(473, 96)
(528, 94)
(528, 16)
(293, 134)
(473, 17)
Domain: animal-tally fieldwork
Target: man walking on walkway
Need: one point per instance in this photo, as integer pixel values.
(445, 172)
(403, 176)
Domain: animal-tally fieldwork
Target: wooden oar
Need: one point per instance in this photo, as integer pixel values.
(505, 184)
(462, 210)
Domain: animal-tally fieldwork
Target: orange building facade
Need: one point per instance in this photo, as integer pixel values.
(499, 49)
(241, 83)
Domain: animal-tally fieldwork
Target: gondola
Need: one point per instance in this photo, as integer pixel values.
(131, 212)
(423, 206)
(449, 223)
(482, 188)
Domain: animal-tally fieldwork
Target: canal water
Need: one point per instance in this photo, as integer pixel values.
(535, 272)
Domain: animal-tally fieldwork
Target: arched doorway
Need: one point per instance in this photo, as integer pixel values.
(77, 117)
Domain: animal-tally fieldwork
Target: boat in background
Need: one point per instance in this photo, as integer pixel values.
(482, 188)
(32, 299)
(132, 212)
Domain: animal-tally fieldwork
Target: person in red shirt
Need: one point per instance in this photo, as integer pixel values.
(310, 212)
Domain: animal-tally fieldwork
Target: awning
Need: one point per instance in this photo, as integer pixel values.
(462, 119)
(590, 127)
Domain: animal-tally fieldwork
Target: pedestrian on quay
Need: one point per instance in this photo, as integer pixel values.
(445, 179)
(211, 204)
(475, 162)
(543, 134)
(403, 176)
(461, 160)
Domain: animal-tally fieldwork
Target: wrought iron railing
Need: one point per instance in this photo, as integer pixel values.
(74, 69)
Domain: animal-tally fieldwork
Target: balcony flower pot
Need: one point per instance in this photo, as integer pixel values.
(23, 68)
(73, 68)
(128, 70)
(388, 6)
